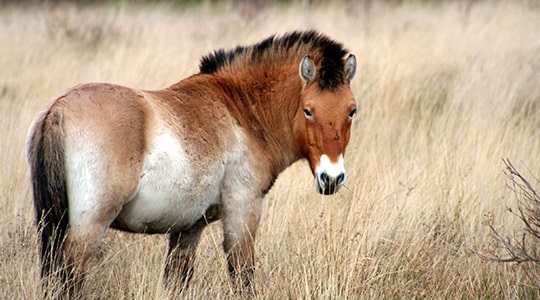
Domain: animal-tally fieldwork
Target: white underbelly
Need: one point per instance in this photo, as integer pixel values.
(174, 191)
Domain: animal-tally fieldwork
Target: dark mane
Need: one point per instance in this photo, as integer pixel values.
(327, 54)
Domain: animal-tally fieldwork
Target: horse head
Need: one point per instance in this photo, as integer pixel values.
(324, 119)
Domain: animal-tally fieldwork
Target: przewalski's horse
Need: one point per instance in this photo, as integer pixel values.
(208, 147)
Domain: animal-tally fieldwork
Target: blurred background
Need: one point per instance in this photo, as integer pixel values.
(447, 137)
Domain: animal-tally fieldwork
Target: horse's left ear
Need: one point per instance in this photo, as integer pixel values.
(350, 67)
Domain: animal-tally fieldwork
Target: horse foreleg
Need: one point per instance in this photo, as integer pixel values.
(239, 238)
(181, 255)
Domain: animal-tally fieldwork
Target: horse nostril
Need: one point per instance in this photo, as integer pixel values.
(324, 179)
(340, 179)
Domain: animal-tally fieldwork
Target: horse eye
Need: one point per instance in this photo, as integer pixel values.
(352, 113)
(308, 113)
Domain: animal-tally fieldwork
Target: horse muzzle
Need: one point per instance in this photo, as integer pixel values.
(329, 176)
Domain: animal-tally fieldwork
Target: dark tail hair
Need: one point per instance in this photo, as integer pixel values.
(47, 171)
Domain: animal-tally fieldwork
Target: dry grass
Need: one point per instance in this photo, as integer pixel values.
(443, 98)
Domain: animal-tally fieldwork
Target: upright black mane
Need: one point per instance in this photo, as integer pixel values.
(327, 54)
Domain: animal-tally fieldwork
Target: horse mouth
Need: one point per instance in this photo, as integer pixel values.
(326, 185)
(328, 190)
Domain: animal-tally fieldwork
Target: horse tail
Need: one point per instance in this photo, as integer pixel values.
(45, 150)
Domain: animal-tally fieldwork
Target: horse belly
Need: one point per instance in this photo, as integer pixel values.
(174, 190)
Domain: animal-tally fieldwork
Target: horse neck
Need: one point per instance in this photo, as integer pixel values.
(265, 101)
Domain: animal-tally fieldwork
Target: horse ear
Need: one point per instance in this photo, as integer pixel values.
(350, 67)
(307, 70)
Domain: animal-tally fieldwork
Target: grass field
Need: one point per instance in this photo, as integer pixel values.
(444, 96)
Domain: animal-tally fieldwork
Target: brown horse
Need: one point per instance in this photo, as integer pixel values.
(208, 147)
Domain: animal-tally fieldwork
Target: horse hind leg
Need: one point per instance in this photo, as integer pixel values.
(80, 244)
(182, 246)
(97, 195)
(181, 256)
